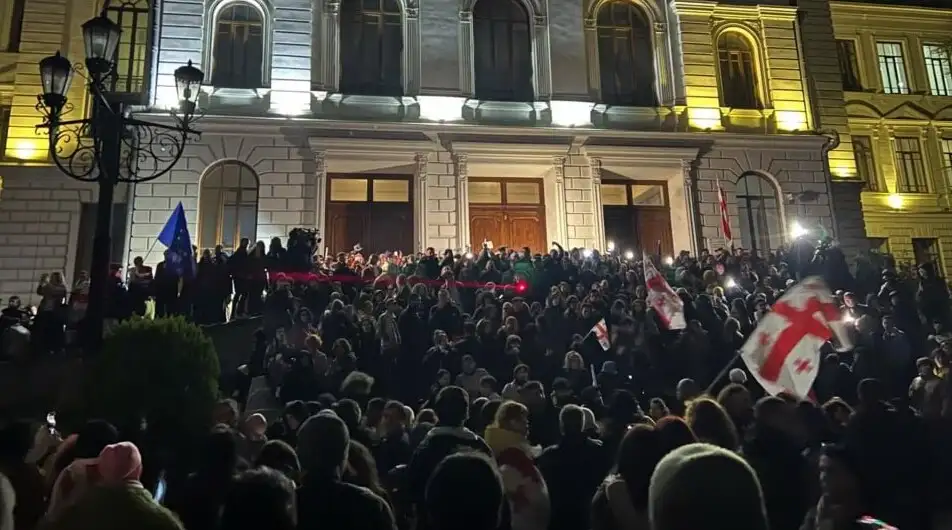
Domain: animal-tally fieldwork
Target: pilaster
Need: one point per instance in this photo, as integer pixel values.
(412, 69)
(690, 205)
(330, 46)
(420, 201)
(462, 201)
(541, 60)
(558, 163)
(597, 203)
(466, 87)
(320, 199)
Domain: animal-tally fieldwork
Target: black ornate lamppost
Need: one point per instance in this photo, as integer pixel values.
(110, 146)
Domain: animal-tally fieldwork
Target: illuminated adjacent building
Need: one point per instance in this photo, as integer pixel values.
(405, 126)
(896, 77)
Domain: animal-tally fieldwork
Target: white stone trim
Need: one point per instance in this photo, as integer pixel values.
(326, 67)
(539, 46)
(558, 184)
(213, 10)
(320, 197)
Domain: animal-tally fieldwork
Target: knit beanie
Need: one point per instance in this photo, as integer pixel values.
(704, 486)
(119, 463)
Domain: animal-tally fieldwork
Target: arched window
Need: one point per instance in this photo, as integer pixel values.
(371, 48)
(758, 207)
(228, 206)
(502, 53)
(238, 46)
(625, 57)
(739, 83)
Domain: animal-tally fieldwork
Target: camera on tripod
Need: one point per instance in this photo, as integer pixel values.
(302, 244)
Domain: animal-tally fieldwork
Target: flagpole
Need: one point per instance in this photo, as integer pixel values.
(726, 370)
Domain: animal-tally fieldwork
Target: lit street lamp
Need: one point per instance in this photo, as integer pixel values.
(110, 145)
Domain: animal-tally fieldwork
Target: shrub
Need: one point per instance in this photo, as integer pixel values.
(162, 372)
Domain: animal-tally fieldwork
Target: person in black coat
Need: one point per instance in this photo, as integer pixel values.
(572, 469)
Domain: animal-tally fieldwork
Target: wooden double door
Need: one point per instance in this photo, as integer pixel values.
(637, 216)
(373, 211)
(508, 212)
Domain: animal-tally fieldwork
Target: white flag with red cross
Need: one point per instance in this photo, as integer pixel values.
(725, 218)
(600, 329)
(662, 298)
(783, 353)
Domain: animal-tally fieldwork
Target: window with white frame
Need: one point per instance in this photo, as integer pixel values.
(910, 168)
(228, 206)
(735, 56)
(892, 67)
(938, 68)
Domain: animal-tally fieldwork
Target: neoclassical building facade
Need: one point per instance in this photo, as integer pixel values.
(406, 124)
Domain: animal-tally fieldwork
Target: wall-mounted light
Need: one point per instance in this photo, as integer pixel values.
(797, 230)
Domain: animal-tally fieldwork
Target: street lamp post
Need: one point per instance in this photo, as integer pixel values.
(110, 145)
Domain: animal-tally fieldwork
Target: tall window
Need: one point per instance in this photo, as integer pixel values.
(371, 47)
(892, 67)
(849, 66)
(939, 68)
(238, 47)
(502, 51)
(865, 163)
(926, 250)
(16, 26)
(738, 74)
(625, 57)
(909, 166)
(132, 54)
(759, 210)
(947, 161)
(228, 206)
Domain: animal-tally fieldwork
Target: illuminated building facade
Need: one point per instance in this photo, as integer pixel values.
(405, 126)
(896, 74)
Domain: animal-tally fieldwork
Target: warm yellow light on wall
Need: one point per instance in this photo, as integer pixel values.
(895, 201)
(704, 118)
(791, 120)
(24, 149)
(843, 171)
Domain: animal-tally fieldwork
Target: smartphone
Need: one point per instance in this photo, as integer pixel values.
(51, 421)
(160, 488)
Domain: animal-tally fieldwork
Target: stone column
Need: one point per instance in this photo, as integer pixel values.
(689, 204)
(541, 63)
(462, 202)
(599, 212)
(321, 191)
(330, 47)
(466, 86)
(560, 205)
(663, 70)
(411, 51)
(420, 201)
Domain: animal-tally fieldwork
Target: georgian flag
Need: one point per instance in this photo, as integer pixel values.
(783, 353)
(662, 298)
(600, 329)
(725, 218)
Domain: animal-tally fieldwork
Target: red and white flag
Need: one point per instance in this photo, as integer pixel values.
(783, 353)
(600, 329)
(662, 297)
(725, 218)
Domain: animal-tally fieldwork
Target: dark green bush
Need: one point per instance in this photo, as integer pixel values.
(161, 372)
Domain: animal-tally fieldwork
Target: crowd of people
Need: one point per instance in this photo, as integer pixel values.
(462, 391)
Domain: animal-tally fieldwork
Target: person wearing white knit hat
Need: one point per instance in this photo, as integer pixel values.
(704, 486)
(737, 376)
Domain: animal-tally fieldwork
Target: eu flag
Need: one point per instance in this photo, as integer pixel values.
(179, 258)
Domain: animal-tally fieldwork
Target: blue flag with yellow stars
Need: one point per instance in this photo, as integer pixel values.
(179, 258)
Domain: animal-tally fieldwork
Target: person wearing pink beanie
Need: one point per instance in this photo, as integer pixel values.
(116, 500)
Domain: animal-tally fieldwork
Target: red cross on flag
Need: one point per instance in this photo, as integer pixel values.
(662, 298)
(600, 329)
(725, 218)
(783, 353)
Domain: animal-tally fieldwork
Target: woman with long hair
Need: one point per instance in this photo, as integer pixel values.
(621, 501)
(711, 423)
